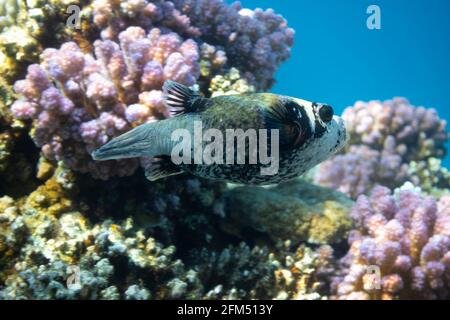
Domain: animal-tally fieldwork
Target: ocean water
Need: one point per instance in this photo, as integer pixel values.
(338, 60)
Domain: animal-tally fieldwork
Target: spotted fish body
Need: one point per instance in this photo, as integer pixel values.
(308, 134)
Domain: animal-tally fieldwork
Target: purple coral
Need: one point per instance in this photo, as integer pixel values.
(255, 41)
(384, 138)
(358, 170)
(79, 101)
(418, 133)
(406, 236)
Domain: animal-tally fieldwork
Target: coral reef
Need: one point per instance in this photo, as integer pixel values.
(294, 210)
(16, 156)
(431, 176)
(418, 133)
(6, 139)
(405, 238)
(255, 41)
(44, 238)
(305, 273)
(285, 272)
(79, 103)
(385, 137)
(26, 27)
(72, 228)
(230, 83)
(58, 243)
(96, 255)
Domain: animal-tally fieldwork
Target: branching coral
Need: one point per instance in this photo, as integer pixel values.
(384, 138)
(26, 27)
(230, 83)
(358, 170)
(305, 273)
(256, 42)
(78, 102)
(50, 250)
(430, 176)
(418, 133)
(405, 236)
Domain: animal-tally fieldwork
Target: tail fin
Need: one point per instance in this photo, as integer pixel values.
(135, 143)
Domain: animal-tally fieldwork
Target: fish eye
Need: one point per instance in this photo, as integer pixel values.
(326, 113)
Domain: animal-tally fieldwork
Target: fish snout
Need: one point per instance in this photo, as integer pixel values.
(342, 134)
(132, 144)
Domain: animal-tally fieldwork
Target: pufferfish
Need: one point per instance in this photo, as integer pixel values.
(307, 134)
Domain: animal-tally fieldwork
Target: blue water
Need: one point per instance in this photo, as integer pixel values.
(338, 60)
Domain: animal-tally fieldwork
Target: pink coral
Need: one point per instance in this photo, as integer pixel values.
(405, 236)
(417, 132)
(80, 101)
(384, 138)
(255, 41)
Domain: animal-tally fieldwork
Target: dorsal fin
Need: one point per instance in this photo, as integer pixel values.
(180, 99)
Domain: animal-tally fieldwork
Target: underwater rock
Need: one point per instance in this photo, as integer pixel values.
(403, 236)
(296, 210)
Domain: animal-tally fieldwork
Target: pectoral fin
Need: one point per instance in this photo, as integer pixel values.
(161, 168)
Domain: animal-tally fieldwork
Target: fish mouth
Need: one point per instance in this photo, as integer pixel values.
(133, 144)
(338, 128)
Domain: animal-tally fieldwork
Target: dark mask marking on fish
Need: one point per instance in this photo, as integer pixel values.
(292, 122)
